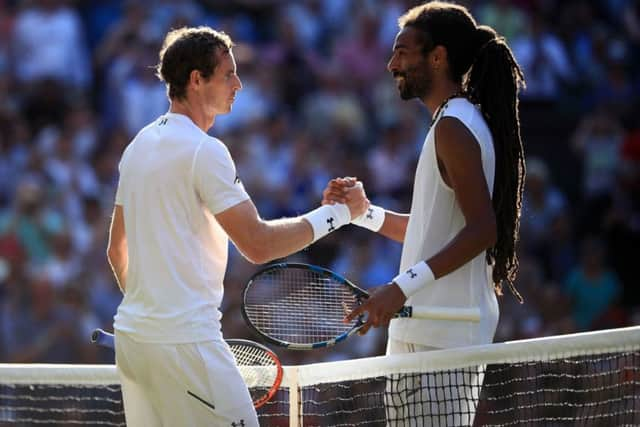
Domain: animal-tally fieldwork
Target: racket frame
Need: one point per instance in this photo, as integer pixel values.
(358, 292)
(433, 313)
(279, 370)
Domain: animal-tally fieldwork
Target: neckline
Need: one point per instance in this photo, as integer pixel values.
(180, 116)
(444, 103)
(443, 106)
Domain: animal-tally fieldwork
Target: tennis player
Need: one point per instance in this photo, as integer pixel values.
(178, 202)
(460, 236)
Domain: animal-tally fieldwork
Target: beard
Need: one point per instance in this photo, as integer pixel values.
(417, 83)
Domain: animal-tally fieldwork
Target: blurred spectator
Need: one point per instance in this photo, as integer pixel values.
(143, 96)
(31, 222)
(544, 61)
(592, 287)
(597, 141)
(389, 161)
(559, 253)
(48, 42)
(542, 204)
(63, 267)
(361, 55)
(39, 328)
(631, 18)
(6, 28)
(507, 18)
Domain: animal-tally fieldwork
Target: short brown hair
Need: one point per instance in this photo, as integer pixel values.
(187, 49)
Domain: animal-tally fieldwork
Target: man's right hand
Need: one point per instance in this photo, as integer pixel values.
(347, 190)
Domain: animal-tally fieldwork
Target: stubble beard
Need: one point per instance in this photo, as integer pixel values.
(417, 84)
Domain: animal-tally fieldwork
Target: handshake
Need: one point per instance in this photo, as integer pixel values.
(348, 191)
(344, 201)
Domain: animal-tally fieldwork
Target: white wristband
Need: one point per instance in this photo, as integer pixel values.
(327, 218)
(372, 219)
(415, 278)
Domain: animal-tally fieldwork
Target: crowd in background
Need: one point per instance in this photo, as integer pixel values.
(77, 82)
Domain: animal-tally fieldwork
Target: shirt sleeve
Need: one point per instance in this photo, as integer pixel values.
(215, 178)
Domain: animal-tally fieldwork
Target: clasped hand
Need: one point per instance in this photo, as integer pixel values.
(349, 191)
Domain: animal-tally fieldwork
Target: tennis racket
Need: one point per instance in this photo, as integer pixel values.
(302, 306)
(260, 367)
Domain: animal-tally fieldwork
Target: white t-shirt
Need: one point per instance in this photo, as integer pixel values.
(173, 179)
(435, 219)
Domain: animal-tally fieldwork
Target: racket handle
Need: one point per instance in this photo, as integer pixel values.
(441, 313)
(102, 338)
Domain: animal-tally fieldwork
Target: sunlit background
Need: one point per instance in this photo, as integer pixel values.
(76, 84)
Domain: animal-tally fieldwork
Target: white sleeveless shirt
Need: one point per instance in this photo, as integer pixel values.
(435, 219)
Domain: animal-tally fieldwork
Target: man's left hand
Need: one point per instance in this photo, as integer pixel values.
(384, 302)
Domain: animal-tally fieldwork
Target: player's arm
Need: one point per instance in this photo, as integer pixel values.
(460, 161)
(390, 224)
(261, 241)
(394, 226)
(117, 250)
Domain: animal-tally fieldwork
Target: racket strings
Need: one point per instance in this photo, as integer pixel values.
(258, 367)
(299, 305)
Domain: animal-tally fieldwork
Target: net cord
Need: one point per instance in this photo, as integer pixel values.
(537, 349)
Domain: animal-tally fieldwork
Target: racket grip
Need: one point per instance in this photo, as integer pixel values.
(102, 338)
(441, 313)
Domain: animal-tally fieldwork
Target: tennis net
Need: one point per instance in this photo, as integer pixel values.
(589, 379)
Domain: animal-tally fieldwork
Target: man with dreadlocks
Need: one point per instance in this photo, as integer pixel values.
(459, 238)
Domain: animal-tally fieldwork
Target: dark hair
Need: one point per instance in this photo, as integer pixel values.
(484, 65)
(188, 49)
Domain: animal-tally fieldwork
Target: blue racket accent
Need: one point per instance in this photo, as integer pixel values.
(315, 268)
(406, 311)
(103, 338)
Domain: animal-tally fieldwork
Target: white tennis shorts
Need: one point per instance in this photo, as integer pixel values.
(446, 399)
(190, 385)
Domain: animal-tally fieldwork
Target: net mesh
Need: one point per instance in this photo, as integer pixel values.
(585, 379)
(93, 405)
(60, 405)
(581, 391)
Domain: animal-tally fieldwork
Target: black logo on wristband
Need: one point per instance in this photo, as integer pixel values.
(411, 273)
(330, 222)
(370, 214)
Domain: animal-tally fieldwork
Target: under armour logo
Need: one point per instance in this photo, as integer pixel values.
(241, 424)
(163, 122)
(370, 213)
(411, 273)
(330, 222)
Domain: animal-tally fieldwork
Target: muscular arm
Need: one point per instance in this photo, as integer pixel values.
(117, 250)
(460, 162)
(261, 241)
(394, 226)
